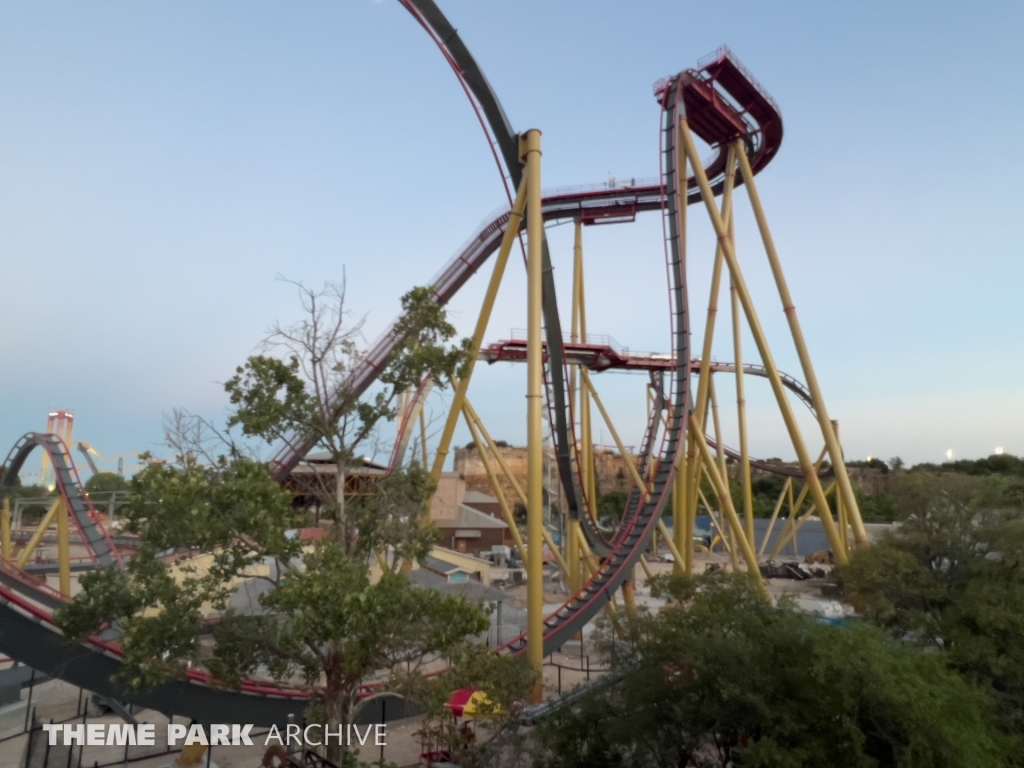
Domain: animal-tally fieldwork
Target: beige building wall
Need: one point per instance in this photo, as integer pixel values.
(451, 489)
(612, 471)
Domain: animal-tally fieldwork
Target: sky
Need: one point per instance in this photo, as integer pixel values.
(163, 165)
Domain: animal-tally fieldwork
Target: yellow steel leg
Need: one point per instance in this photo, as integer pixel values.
(515, 219)
(6, 549)
(191, 756)
(741, 410)
(790, 535)
(704, 380)
(37, 537)
(676, 554)
(680, 520)
(831, 440)
(719, 438)
(843, 524)
(727, 540)
(787, 488)
(423, 433)
(571, 547)
(795, 506)
(721, 230)
(586, 423)
(64, 551)
(587, 452)
(841, 512)
(589, 558)
(646, 567)
(493, 448)
(505, 511)
(577, 288)
(530, 151)
(631, 465)
(629, 597)
(718, 484)
(729, 549)
(641, 485)
(572, 556)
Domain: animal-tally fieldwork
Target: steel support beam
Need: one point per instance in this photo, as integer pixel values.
(509, 238)
(729, 251)
(530, 151)
(835, 450)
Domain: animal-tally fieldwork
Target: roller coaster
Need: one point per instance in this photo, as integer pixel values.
(722, 104)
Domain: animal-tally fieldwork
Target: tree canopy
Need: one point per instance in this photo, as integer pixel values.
(106, 482)
(723, 678)
(952, 578)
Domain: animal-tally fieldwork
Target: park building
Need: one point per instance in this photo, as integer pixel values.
(470, 521)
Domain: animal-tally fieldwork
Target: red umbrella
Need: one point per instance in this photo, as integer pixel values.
(458, 701)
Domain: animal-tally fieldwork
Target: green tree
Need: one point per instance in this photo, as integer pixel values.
(19, 491)
(334, 613)
(296, 393)
(766, 490)
(952, 579)
(610, 507)
(723, 678)
(106, 482)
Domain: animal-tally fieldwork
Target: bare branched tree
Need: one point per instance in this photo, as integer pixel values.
(300, 390)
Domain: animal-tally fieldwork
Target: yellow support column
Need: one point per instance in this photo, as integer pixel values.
(507, 471)
(723, 531)
(529, 150)
(570, 546)
(676, 554)
(629, 597)
(719, 437)
(485, 459)
(791, 534)
(423, 433)
(509, 238)
(6, 549)
(746, 480)
(787, 488)
(37, 537)
(841, 512)
(577, 289)
(572, 556)
(717, 483)
(722, 232)
(683, 530)
(704, 380)
(835, 451)
(64, 551)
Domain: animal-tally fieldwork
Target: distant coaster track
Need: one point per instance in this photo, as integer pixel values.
(97, 539)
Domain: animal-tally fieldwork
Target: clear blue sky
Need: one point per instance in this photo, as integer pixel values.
(161, 163)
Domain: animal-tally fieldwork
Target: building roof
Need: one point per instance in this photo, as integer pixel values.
(324, 462)
(476, 497)
(437, 565)
(471, 518)
(471, 590)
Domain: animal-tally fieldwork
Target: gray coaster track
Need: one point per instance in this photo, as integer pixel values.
(97, 539)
